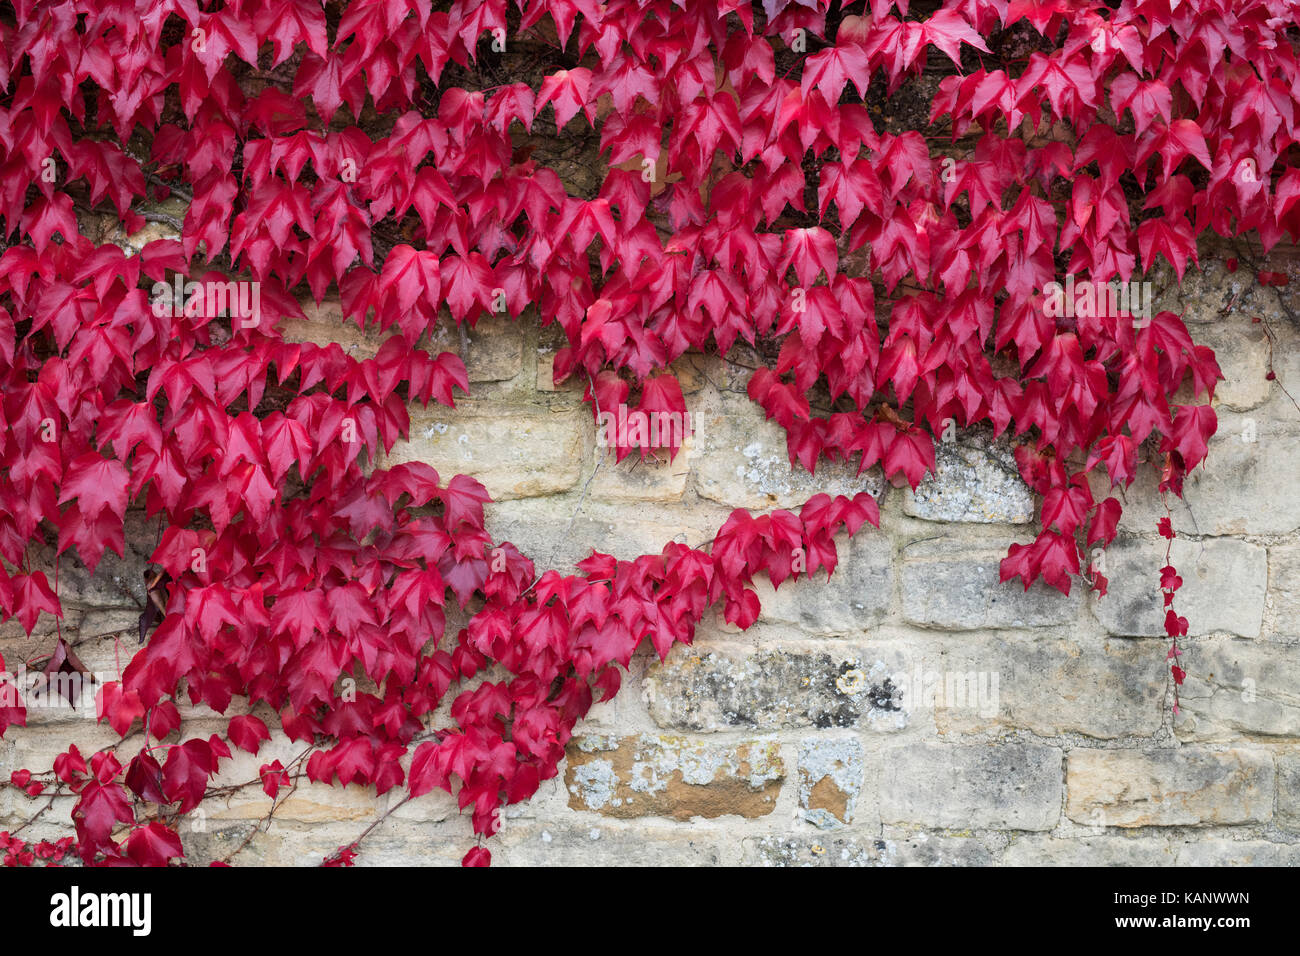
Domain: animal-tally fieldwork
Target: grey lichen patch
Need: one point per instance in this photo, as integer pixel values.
(595, 743)
(799, 851)
(975, 480)
(743, 461)
(920, 848)
(830, 779)
(771, 690)
(767, 470)
(674, 777)
(655, 764)
(596, 783)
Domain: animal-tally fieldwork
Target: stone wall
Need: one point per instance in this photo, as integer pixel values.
(911, 711)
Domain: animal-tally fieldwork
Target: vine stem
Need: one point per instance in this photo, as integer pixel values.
(367, 831)
(257, 828)
(39, 813)
(1175, 650)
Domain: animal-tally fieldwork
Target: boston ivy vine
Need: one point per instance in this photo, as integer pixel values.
(755, 191)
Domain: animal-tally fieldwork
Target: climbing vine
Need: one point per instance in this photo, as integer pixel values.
(980, 262)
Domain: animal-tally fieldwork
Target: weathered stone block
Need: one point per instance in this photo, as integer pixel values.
(1100, 688)
(118, 582)
(1237, 689)
(1238, 853)
(1206, 295)
(1280, 406)
(773, 689)
(1107, 849)
(1243, 487)
(496, 346)
(35, 747)
(516, 451)
(1006, 785)
(1288, 791)
(804, 851)
(858, 595)
(952, 586)
(1241, 349)
(742, 461)
(323, 324)
(392, 843)
(546, 372)
(911, 849)
(919, 848)
(494, 352)
(1185, 786)
(830, 779)
(1282, 605)
(555, 534)
(1223, 586)
(642, 844)
(650, 775)
(310, 803)
(636, 479)
(975, 480)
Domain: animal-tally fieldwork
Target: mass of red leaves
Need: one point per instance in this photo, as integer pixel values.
(750, 195)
